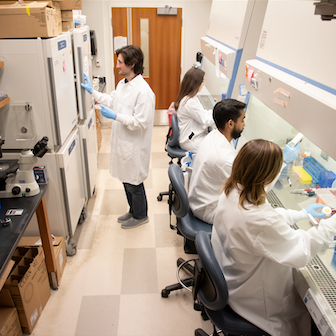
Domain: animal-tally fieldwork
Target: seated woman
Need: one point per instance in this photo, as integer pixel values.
(256, 247)
(193, 119)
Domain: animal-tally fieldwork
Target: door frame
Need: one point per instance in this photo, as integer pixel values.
(129, 5)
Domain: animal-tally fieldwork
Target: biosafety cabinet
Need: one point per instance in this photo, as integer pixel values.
(232, 37)
(290, 89)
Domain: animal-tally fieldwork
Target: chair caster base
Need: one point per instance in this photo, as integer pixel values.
(200, 332)
(159, 198)
(165, 293)
(173, 227)
(198, 306)
(204, 315)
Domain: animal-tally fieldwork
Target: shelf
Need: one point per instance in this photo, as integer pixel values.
(4, 102)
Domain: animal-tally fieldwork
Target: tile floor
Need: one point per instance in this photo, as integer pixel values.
(112, 286)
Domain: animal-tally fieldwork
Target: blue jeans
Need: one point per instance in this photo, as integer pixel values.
(136, 197)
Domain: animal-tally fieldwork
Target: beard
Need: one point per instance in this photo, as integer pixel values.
(236, 134)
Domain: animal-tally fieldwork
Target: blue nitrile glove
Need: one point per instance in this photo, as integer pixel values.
(107, 112)
(88, 87)
(311, 209)
(290, 154)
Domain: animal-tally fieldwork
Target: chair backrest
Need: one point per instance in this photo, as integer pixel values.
(211, 288)
(173, 139)
(180, 202)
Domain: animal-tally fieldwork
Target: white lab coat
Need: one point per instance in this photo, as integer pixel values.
(212, 166)
(257, 251)
(193, 118)
(131, 135)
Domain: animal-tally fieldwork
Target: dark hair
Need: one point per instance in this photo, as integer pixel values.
(190, 85)
(256, 165)
(225, 110)
(132, 55)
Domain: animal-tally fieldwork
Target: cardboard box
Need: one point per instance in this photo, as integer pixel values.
(9, 318)
(59, 251)
(29, 286)
(36, 19)
(67, 26)
(71, 4)
(67, 15)
(57, 6)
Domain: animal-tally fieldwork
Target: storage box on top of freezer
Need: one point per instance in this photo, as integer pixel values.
(71, 4)
(28, 285)
(9, 319)
(35, 19)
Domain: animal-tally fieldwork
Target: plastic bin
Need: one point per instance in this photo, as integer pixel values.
(326, 179)
(171, 111)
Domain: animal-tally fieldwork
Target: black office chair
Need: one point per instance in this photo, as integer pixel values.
(172, 147)
(210, 290)
(187, 224)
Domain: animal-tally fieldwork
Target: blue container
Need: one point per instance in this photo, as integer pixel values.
(326, 179)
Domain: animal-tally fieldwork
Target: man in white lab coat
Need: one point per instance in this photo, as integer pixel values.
(214, 159)
(132, 106)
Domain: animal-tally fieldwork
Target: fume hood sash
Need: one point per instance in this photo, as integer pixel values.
(226, 56)
(307, 107)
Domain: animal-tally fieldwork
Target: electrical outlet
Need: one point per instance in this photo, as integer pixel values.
(98, 63)
(324, 155)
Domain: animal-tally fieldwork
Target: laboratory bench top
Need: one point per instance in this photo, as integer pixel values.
(11, 234)
(316, 282)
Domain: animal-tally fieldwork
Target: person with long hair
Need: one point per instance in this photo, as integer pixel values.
(257, 248)
(193, 119)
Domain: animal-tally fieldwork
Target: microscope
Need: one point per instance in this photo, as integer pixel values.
(17, 179)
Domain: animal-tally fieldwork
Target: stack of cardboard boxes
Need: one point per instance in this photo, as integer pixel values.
(36, 18)
(25, 285)
(9, 318)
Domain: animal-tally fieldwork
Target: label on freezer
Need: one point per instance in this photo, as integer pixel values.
(89, 123)
(72, 146)
(84, 37)
(61, 45)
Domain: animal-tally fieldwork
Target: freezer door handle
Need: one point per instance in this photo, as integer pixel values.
(54, 101)
(87, 170)
(81, 76)
(66, 200)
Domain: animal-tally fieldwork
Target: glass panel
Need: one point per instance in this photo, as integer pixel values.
(144, 37)
(262, 122)
(214, 87)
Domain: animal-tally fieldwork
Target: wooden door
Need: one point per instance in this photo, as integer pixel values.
(163, 69)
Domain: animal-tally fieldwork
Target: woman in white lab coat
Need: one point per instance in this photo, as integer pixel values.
(193, 119)
(256, 247)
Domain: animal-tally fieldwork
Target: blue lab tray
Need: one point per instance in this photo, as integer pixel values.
(313, 168)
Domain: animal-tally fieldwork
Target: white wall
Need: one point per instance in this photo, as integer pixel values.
(195, 16)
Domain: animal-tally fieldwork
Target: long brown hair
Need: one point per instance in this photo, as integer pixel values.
(256, 165)
(190, 85)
